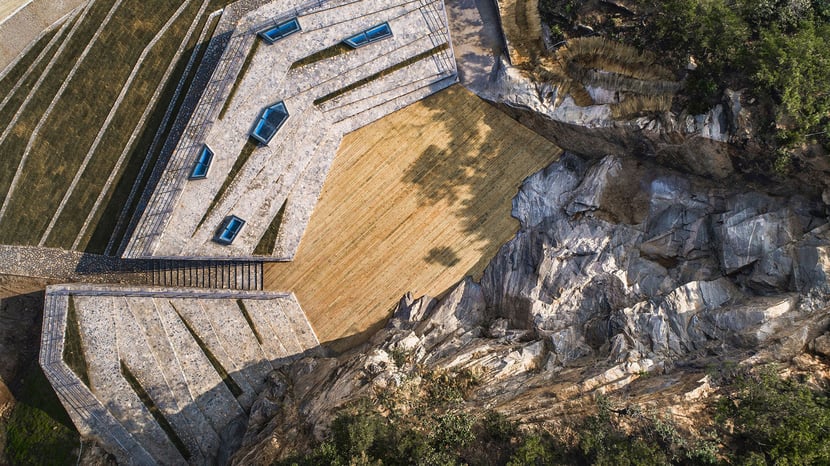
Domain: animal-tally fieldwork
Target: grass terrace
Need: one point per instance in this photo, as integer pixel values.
(109, 156)
(78, 113)
(83, 130)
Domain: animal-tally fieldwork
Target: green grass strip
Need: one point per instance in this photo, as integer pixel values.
(329, 52)
(380, 74)
(73, 351)
(37, 431)
(80, 110)
(154, 410)
(117, 135)
(243, 157)
(268, 242)
(226, 378)
(247, 316)
(245, 66)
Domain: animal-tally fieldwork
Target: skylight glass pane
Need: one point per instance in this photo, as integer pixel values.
(270, 121)
(375, 33)
(230, 230)
(281, 30)
(202, 165)
(378, 32)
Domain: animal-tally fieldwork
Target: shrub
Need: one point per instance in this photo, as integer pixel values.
(776, 420)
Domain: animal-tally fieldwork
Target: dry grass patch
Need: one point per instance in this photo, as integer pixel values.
(522, 28)
(637, 105)
(615, 57)
(413, 202)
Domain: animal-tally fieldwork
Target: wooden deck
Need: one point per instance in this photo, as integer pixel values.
(413, 202)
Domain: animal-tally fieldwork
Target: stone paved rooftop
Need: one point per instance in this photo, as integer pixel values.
(325, 99)
(196, 357)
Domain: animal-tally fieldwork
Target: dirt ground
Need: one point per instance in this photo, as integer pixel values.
(20, 30)
(413, 202)
(21, 304)
(8, 7)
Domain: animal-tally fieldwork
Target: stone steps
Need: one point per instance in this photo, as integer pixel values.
(97, 319)
(195, 315)
(300, 327)
(272, 340)
(234, 275)
(143, 311)
(204, 382)
(234, 332)
(180, 412)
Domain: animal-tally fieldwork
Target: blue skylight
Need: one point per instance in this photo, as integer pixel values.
(373, 34)
(270, 121)
(281, 30)
(230, 228)
(200, 169)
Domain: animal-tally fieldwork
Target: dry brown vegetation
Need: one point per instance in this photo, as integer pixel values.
(522, 28)
(636, 105)
(586, 61)
(413, 202)
(614, 57)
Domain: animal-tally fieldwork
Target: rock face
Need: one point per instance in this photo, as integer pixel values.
(618, 259)
(620, 268)
(694, 143)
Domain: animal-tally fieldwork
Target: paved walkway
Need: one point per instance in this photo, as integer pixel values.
(477, 40)
(69, 266)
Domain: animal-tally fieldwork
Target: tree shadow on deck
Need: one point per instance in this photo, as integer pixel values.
(477, 172)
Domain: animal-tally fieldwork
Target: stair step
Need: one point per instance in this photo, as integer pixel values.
(233, 275)
(187, 421)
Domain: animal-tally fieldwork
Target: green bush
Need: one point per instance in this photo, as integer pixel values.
(776, 420)
(795, 70)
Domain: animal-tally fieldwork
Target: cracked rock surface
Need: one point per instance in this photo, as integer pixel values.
(619, 269)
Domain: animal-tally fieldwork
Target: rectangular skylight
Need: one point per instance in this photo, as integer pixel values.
(281, 30)
(373, 34)
(230, 228)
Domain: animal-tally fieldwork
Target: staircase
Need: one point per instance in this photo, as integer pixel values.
(229, 275)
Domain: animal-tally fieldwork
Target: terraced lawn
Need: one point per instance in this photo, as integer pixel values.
(69, 223)
(83, 118)
(77, 113)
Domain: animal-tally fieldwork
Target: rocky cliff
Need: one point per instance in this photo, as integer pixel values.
(624, 277)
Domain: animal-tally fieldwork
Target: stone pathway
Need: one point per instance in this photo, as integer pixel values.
(201, 356)
(477, 40)
(72, 267)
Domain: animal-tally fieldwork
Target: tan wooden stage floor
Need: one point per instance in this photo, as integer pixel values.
(413, 202)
